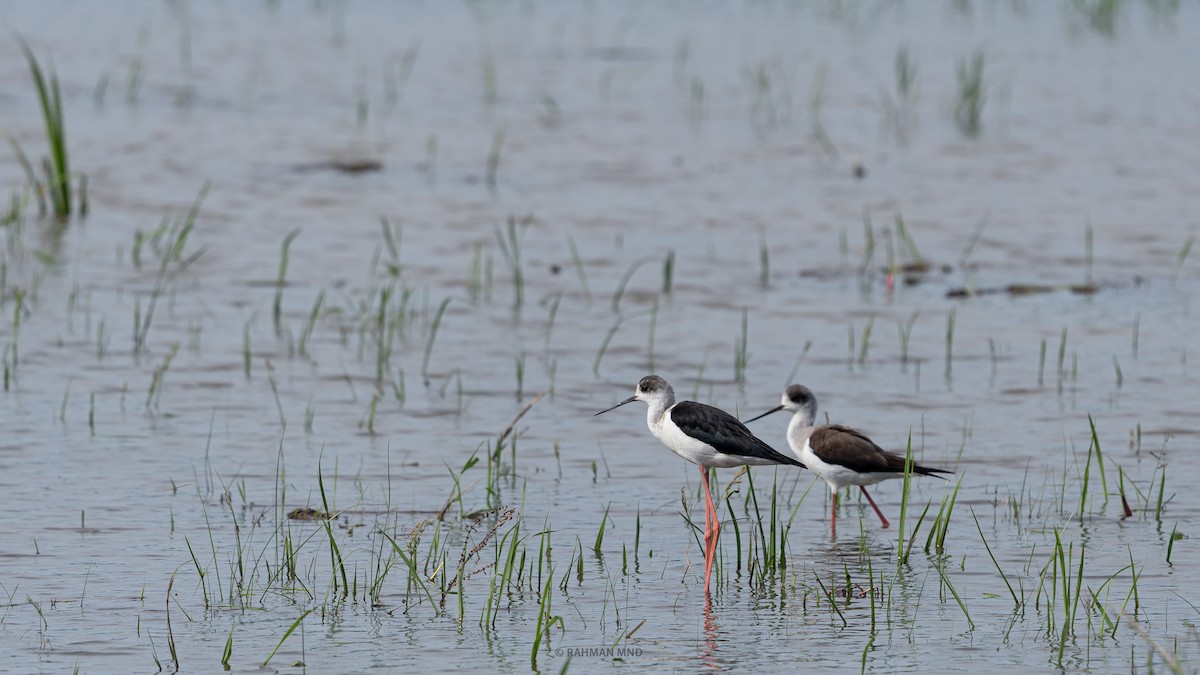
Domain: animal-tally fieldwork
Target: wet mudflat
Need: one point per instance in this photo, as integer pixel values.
(316, 372)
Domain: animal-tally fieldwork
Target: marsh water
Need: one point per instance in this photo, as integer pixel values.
(333, 249)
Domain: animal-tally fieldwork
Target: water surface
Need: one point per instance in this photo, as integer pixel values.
(639, 137)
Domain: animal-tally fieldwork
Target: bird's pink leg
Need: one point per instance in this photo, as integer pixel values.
(879, 513)
(711, 530)
(833, 517)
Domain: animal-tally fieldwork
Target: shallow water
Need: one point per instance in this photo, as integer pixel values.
(637, 135)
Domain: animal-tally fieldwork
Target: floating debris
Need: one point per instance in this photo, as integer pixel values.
(1023, 289)
(857, 167)
(913, 272)
(308, 513)
(351, 166)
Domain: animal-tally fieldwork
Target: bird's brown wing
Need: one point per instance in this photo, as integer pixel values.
(849, 447)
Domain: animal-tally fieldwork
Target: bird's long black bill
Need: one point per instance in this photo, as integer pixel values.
(772, 410)
(631, 399)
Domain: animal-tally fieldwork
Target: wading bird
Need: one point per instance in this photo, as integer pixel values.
(703, 435)
(841, 456)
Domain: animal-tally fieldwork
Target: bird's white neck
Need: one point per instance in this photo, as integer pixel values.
(801, 426)
(656, 409)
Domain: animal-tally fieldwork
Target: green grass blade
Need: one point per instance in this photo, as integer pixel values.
(995, 562)
(291, 629)
(962, 605)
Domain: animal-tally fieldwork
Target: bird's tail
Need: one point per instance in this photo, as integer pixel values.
(927, 471)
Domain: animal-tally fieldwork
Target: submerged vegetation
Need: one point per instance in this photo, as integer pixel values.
(972, 94)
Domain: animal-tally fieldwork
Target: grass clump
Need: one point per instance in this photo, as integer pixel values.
(968, 108)
(54, 183)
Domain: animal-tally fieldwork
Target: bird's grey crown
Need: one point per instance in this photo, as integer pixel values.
(652, 383)
(800, 394)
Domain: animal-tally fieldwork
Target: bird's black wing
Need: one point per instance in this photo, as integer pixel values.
(724, 432)
(848, 447)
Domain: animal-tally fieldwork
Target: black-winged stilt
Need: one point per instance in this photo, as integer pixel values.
(705, 436)
(840, 455)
